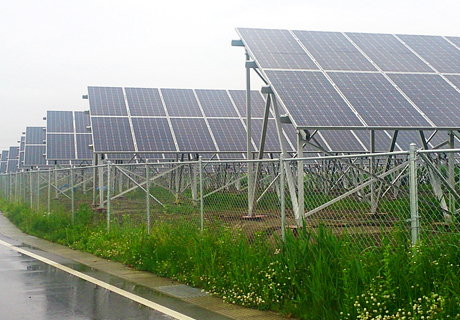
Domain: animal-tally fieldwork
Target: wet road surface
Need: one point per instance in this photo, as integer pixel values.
(33, 289)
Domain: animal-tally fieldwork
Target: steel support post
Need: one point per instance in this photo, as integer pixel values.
(414, 217)
(100, 176)
(94, 178)
(300, 175)
(249, 138)
(49, 191)
(200, 163)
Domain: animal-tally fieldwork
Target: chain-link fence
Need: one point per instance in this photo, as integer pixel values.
(360, 196)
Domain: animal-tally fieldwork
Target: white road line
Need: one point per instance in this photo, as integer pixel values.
(102, 284)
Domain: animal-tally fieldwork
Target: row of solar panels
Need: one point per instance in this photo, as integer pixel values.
(69, 135)
(358, 80)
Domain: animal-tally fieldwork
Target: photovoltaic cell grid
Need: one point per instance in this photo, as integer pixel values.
(359, 80)
(4, 161)
(174, 121)
(13, 159)
(67, 137)
(34, 147)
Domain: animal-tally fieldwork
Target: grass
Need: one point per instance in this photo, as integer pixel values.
(311, 275)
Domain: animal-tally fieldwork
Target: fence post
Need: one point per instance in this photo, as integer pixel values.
(282, 198)
(201, 194)
(109, 194)
(414, 217)
(147, 188)
(72, 192)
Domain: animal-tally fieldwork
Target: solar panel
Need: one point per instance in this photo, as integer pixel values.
(62, 121)
(107, 101)
(216, 103)
(35, 135)
(225, 128)
(4, 161)
(192, 135)
(60, 146)
(377, 101)
(81, 121)
(153, 134)
(34, 155)
(112, 134)
(333, 51)
(341, 141)
(144, 102)
(442, 55)
(454, 40)
(382, 141)
(13, 159)
(434, 96)
(280, 51)
(311, 99)
(83, 150)
(257, 103)
(389, 53)
(61, 136)
(272, 141)
(181, 103)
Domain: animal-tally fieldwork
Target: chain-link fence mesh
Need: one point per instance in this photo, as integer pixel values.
(359, 196)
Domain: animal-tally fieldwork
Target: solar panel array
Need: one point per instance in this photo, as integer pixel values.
(67, 137)
(34, 147)
(360, 81)
(168, 121)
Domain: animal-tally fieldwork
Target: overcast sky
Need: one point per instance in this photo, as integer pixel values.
(52, 50)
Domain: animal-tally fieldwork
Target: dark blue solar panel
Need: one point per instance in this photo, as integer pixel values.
(60, 146)
(230, 134)
(341, 141)
(34, 155)
(83, 150)
(81, 122)
(216, 103)
(35, 135)
(153, 135)
(276, 49)
(405, 138)
(13, 153)
(377, 100)
(435, 50)
(334, 51)
(59, 121)
(434, 96)
(389, 53)
(4, 161)
(192, 135)
(112, 134)
(106, 101)
(257, 103)
(181, 103)
(144, 102)
(311, 100)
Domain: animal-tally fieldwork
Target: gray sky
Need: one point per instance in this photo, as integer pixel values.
(51, 50)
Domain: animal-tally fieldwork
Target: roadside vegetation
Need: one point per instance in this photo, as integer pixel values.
(309, 275)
